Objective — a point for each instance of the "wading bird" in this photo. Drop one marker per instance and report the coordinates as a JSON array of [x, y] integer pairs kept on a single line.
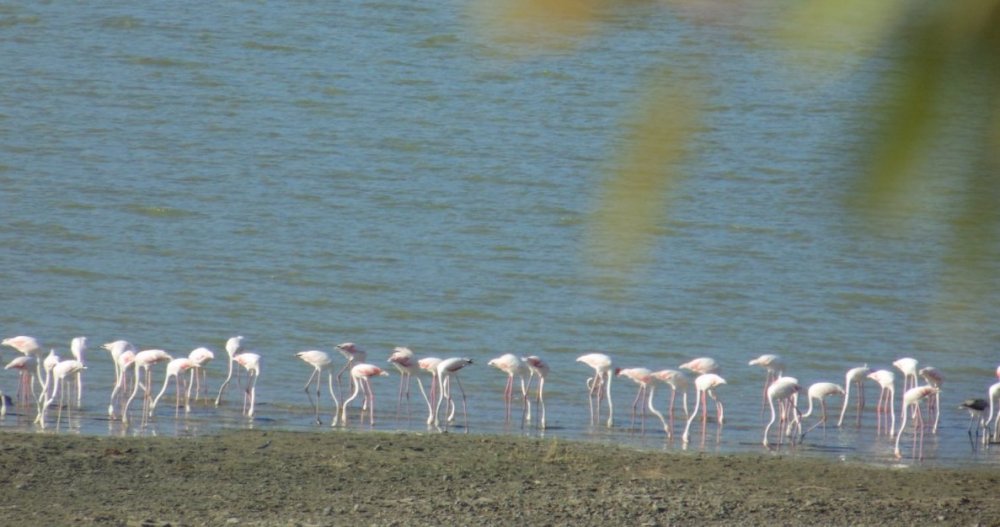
[[820, 391], [361, 375], [855, 377], [539, 369], [677, 381], [234, 346], [319, 360], [176, 368], [783, 391], [513, 367], [446, 371], [598, 385], [911, 400], [886, 407], [705, 386]]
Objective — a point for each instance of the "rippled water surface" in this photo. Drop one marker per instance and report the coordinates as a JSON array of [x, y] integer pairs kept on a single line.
[[307, 174]]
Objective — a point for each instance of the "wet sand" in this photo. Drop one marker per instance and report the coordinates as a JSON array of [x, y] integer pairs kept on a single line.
[[370, 478]]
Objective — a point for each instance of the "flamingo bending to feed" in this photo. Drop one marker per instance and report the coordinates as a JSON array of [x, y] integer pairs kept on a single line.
[[354, 355], [319, 360], [446, 371], [908, 367], [251, 363], [855, 377], [934, 378], [886, 399], [144, 360], [644, 378], [234, 346], [677, 381], [539, 369], [911, 399], [705, 386], [784, 391], [361, 375], [430, 364], [820, 391], [598, 385], [60, 372], [77, 347], [513, 366], [25, 366], [200, 357], [405, 362], [176, 368]]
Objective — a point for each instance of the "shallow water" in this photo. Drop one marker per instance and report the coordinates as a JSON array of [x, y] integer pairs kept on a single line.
[[383, 173]]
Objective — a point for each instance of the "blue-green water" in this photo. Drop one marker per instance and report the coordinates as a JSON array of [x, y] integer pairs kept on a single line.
[[307, 174]]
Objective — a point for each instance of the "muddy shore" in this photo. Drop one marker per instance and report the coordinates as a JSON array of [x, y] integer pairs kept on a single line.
[[355, 478]]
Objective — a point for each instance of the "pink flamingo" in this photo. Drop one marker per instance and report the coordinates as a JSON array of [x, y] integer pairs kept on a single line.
[[176, 368], [50, 362], [200, 357], [361, 375], [513, 366], [60, 372], [539, 369], [911, 399], [116, 349], [26, 345], [123, 364], [855, 377], [405, 362], [234, 346], [705, 386], [775, 368], [784, 391], [446, 371], [144, 360], [908, 367], [25, 366], [677, 381], [430, 364], [77, 347], [354, 355], [601, 380], [319, 360], [701, 365], [251, 363], [994, 393], [644, 378], [820, 391], [886, 399], [933, 377]]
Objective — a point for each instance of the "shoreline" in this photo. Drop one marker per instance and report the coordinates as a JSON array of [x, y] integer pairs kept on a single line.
[[406, 478]]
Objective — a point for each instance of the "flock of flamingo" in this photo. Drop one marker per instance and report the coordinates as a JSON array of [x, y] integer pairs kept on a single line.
[[62, 379]]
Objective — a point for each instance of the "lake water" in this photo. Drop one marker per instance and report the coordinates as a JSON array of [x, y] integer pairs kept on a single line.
[[306, 174]]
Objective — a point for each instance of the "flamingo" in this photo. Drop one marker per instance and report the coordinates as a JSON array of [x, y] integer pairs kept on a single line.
[[116, 349], [251, 363], [124, 364], [705, 386], [354, 355], [176, 368], [446, 371], [854, 377], [601, 364], [405, 362], [513, 366], [430, 364], [234, 346], [784, 391], [677, 381], [144, 360], [27, 345], [538, 368], [77, 347], [886, 399], [820, 391], [200, 357], [908, 367], [701, 365], [994, 393], [50, 362], [361, 375], [912, 398], [24, 364], [319, 360], [775, 368], [60, 371], [933, 377], [644, 378]]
